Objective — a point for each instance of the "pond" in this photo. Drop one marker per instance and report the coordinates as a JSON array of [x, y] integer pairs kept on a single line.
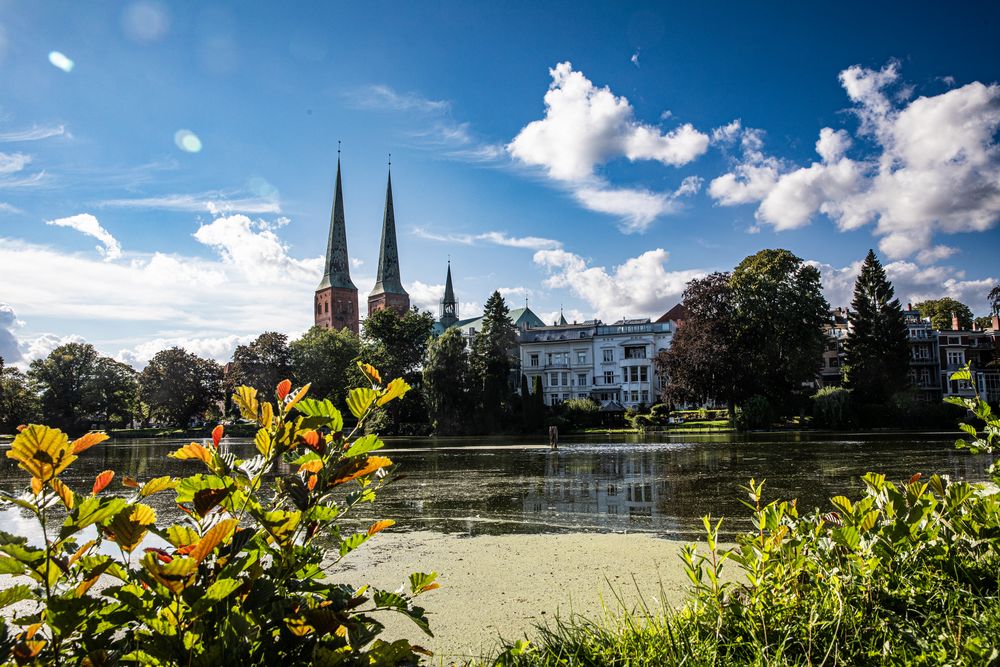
[[660, 485]]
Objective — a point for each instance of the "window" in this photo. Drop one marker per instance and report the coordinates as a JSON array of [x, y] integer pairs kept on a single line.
[[581, 357], [956, 357], [326, 307], [534, 359], [635, 396], [635, 352], [565, 397], [609, 377], [645, 396], [565, 382], [558, 358], [609, 355], [925, 377], [553, 379], [581, 380], [643, 374]]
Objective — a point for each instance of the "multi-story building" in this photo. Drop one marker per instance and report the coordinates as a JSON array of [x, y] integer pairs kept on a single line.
[[836, 329], [605, 362], [924, 355], [981, 349]]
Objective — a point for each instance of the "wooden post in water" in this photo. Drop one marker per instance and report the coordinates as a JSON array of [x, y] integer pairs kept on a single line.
[[554, 437]]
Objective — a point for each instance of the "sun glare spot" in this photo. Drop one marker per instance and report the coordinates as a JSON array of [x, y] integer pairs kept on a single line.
[[188, 141], [61, 61], [145, 21]]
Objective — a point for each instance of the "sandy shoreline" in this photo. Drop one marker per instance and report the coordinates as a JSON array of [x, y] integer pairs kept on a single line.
[[494, 586]]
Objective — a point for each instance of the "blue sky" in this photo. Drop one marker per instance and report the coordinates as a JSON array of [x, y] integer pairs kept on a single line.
[[592, 156]]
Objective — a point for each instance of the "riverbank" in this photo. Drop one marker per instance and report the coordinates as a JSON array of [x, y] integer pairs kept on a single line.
[[504, 586]]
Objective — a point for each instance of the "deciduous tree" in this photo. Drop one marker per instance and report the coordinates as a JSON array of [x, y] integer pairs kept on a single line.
[[18, 403], [116, 392], [179, 386], [326, 359], [65, 381], [877, 350], [446, 383], [262, 363], [940, 312]]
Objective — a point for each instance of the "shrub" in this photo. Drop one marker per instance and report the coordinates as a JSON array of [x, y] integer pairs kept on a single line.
[[580, 412], [242, 579], [755, 412], [832, 407]]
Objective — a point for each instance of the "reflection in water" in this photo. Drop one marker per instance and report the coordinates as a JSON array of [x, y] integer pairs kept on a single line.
[[658, 487]]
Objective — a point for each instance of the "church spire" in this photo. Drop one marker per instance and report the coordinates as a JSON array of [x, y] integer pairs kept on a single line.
[[388, 290], [449, 304], [337, 271]]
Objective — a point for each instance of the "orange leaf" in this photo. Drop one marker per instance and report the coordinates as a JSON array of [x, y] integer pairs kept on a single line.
[[371, 372], [215, 536], [312, 482], [312, 466], [284, 387], [65, 493], [379, 526], [360, 468], [36, 485], [430, 587], [21, 427], [82, 550], [299, 395], [916, 478], [217, 435], [103, 480], [88, 441], [129, 482], [311, 438], [191, 452]]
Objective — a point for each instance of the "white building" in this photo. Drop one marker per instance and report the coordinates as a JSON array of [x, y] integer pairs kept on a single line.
[[605, 362]]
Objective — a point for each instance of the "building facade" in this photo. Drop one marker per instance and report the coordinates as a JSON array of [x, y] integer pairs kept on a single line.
[[609, 363]]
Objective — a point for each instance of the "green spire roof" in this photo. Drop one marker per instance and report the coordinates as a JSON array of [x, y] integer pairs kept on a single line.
[[449, 291], [337, 272], [387, 279]]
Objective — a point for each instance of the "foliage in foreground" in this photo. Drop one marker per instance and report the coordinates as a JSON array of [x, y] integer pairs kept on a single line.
[[905, 574], [242, 579]]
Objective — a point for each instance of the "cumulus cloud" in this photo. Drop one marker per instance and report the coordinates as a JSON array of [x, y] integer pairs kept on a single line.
[[85, 223], [586, 126], [639, 287], [220, 348], [254, 250], [912, 282], [10, 349], [936, 167], [935, 254]]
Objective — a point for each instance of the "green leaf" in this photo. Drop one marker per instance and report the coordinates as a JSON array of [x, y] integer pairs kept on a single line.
[[846, 537], [310, 407], [363, 445], [156, 485], [219, 590], [421, 580], [91, 510], [353, 542], [9, 596], [961, 374], [360, 399], [10, 565]]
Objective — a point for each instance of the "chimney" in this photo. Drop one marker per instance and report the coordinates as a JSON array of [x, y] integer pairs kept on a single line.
[[996, 322], [954, 322], [909, 306]]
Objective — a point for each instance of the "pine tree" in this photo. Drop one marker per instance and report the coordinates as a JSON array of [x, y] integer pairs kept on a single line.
[[491, 361], [878, 352]]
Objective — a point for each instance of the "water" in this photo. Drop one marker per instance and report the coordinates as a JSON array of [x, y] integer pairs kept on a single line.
[[659, 485]]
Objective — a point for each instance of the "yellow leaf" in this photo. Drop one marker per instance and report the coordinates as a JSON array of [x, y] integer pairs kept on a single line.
[[191, 452], [156, 485], [144, 515], [128, 527], [215, 536], [82, 550], [88, 441], [371, 372], [246, 400], [266, 415], [181, 536], [175, 575], [359, 400], [36, 485], [395, 390], [42, 451], [264, 443], [299, 395], [379, 526], [356, 468], [65, 493]]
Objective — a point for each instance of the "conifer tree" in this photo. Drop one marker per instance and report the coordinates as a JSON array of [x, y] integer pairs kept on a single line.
[[446, 378], [491, 361], [877, 350]]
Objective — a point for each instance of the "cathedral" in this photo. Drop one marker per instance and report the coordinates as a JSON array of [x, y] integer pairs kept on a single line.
[[336, 299]]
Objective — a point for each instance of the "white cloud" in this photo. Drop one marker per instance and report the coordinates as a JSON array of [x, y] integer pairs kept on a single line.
[[356, 262], [491, 237], [214, 201], [85, 223], [935, 254], [585, 127], [425, 297], [571, 315], [34, 133], [639, 287], [8, 208], [254, 250], [10, 349], [40, 346], [384, 98], [912, 283], [220, 348], [13, 162], [936, 168]]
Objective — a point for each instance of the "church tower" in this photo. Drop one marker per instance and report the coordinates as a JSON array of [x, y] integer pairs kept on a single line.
[[449, 305], [336, 299], [388, 291]]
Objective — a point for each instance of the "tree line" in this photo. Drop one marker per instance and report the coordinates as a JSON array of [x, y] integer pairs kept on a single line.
[[75, 388]]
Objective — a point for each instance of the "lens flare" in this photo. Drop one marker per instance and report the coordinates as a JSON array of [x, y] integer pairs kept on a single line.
[[187, 141], [61, 61]]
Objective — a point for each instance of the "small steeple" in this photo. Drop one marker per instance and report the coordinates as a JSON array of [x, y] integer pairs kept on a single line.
[[449, 304], [337, 271], [562, 318]]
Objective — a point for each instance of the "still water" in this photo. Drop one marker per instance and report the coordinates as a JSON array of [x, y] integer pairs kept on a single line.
[[660, 485]]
